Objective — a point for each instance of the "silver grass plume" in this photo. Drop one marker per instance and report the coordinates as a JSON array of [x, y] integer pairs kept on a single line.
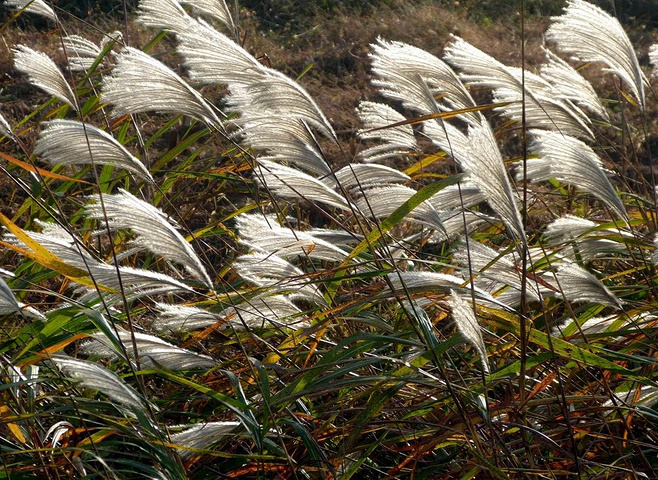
[[486, 170], [212, 57], [67, 142], [136, 282], [585, 238], [8, 303], [589, 34], [38, 7], [280, 97], [571, 85], [175, 318], [265, 234], [414, 77], [287, 182], [43, 73], [377, 119], [153, 232], [288, 141], [267, 270], [140, 83], [214, 8], [81, 52], [653, 58], [579, 285], [482, 70], [380, 202], [431, 281], [544, 107], [448, 138], [547, 112], [358, 176], [453, 224], [95, 377], [202, 436], [152, 350], [256, 312], [571, 161], [165, 15], [495, 270], [256, 91], [591, 326], [464, 317], [265, 310], [455, 197]]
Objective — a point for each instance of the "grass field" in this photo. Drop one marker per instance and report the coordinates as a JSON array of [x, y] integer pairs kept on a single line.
[[329, 240]]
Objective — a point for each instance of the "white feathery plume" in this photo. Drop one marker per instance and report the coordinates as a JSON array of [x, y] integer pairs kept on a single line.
[[453, 197], [165, 15], [152, 351], [591, 326], [376, 119], [571, 161], [68, 142], [261, 311], [214, 8], [266, 270], [201, 436], [290, 183], [265, 234], [43, 73], [280, 97], [212, 57], [495, 271], [486, 170], [448, 138], [567, 228], [482, 70], [287, 141], [95, 377], [38, 7], [81, 52], [254, 313], [579, 285], [61, 243], [153, 232], [580, 233], [175, 318], [589, 34], [414, 77], [653, 58], [488, 263], [5, 128], [380, 202], [136, 282], [544, 109], [464, 316], [140, 83], [359, 175], [570, 85], [256, 91], [453, 224], [8, 303], [431, 281]]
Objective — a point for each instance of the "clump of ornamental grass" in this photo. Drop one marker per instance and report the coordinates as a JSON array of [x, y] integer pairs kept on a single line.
[[192, 289]]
